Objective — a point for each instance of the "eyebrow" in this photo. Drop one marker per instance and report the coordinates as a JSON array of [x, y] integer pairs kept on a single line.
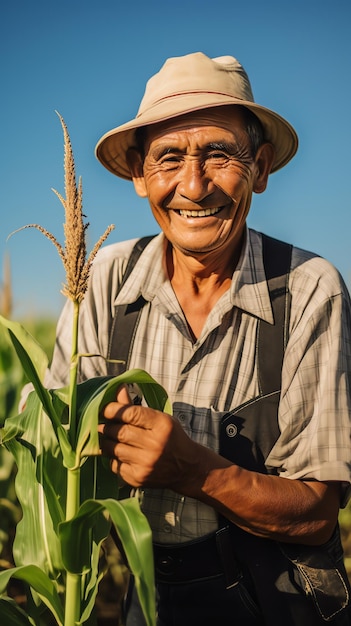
[[222, 146], [161, 151]]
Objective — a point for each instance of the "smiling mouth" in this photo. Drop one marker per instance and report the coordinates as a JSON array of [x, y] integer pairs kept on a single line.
[[200, 213]]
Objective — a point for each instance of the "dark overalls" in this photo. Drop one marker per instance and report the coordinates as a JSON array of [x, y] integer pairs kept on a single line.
[[232, 577]]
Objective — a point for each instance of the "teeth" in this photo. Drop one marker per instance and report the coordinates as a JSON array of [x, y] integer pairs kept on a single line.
[[201, 213]]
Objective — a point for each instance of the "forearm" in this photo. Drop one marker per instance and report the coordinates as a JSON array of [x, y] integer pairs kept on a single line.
[[150, 449], [264, 505]]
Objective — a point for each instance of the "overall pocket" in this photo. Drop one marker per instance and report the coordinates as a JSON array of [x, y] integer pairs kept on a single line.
[[322, 574]]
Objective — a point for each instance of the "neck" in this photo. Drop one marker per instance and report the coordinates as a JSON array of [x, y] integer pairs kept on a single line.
[[217, 265], [199, 281]]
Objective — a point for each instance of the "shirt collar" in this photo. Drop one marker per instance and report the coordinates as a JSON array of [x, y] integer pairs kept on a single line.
[[248, 291]]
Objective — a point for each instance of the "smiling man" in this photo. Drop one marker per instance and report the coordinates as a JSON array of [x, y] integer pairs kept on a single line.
[[251, 339], [198, 174]]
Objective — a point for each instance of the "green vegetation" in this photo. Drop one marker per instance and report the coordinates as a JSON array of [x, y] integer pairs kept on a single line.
[[345, 526], [67, 496], [12, 378]]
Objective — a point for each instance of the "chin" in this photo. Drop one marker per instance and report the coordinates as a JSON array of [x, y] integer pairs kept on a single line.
[[192, 250]]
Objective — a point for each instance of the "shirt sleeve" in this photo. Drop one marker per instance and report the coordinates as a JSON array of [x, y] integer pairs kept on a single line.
[[95, 318], [315, 406]]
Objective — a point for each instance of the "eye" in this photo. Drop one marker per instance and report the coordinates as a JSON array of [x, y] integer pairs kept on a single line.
[[217, 156], [170, 161], [170, 158]]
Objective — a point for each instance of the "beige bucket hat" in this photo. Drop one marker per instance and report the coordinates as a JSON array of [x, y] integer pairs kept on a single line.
[[191, 83]]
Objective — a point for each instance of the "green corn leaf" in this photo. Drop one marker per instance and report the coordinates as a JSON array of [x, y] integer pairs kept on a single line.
[[76, 535], [29, 345], [154, 394], [91, 586], [97, 482], [34, 362], [95, 397], [12, 615], [40, 487], [40, 583], [11, 377], [136, 538], [135, 535], [81, 540]]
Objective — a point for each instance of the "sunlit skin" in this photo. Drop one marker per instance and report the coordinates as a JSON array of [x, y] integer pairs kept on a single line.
[[198, 163], [203, 162]]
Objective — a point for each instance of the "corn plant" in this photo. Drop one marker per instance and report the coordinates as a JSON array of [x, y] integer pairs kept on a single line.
[[69, 497], [11, 380]]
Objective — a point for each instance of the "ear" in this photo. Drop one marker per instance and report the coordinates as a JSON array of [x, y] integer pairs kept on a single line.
[[263, 163], [135, 164]]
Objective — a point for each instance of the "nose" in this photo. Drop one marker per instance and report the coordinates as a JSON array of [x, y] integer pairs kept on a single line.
[[195, 185]]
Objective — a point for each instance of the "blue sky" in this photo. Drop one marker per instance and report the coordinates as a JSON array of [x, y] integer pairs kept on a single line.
[[90, 61]]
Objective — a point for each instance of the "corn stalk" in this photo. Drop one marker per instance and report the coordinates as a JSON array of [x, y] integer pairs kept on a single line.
[[68, 495]]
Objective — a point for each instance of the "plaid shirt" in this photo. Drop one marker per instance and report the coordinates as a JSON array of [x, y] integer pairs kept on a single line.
[[217, 373]]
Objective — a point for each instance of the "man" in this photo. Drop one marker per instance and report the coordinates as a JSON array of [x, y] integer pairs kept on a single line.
[[242, 486]]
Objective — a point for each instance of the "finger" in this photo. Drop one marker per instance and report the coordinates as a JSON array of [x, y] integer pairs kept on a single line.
[[136, 415], [123, 395], [123, 470], [115, 466], [113, 411], [108, 447], [117, 432], [111, 430], [119, 453]]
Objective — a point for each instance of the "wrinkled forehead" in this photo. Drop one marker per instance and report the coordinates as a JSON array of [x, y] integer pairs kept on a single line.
[[230, 118]]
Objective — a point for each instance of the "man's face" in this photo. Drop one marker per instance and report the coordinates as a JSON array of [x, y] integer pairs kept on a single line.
[[199, 174]]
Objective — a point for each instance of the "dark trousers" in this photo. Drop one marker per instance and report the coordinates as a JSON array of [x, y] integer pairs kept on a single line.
[[202, 583], [203, 603], [209, 603]]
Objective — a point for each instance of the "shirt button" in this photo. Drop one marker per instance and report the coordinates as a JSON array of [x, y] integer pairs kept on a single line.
[[231, 430]]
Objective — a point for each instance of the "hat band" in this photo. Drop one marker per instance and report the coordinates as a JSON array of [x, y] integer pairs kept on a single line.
[[187, 93]]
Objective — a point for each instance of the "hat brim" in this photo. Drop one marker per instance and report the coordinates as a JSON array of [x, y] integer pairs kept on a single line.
[[112, 148]]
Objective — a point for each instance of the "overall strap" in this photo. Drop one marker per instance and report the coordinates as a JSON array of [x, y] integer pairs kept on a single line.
[[272, 338], [126, 319], [249, 431]]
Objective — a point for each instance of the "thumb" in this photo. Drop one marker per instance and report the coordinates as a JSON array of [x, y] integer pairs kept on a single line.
[[123, 395]]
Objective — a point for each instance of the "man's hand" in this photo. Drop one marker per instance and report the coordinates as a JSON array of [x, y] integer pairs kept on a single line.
[[147, 447], [150, 448]]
